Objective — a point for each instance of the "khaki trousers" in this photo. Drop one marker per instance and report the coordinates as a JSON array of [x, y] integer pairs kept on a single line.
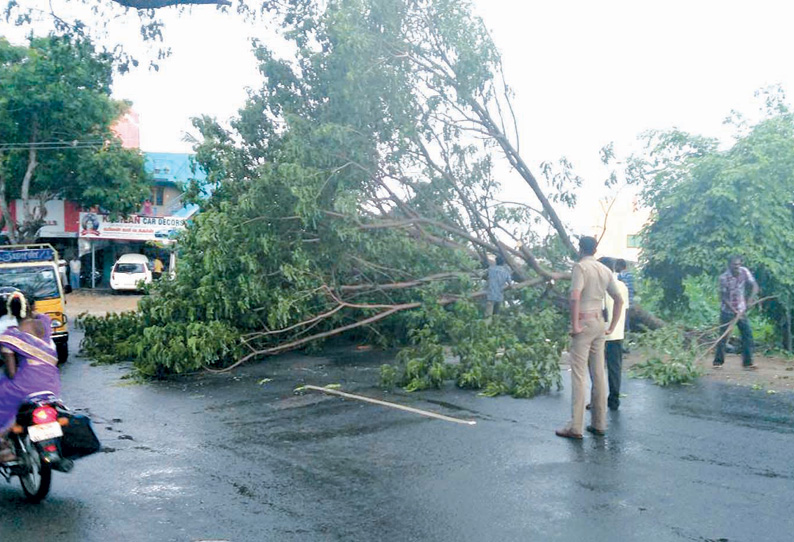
[[587, 350]]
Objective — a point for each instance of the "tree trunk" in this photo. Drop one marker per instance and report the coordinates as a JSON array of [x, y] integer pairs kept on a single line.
[[29, 223], [640, 317], [521, 167], [7, 219], [25, 191]]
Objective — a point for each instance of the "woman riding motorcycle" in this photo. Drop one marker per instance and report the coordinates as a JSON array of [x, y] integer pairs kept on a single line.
[[31, 364]]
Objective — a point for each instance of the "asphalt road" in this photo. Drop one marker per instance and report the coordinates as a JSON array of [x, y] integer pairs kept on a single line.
[[232, 457]]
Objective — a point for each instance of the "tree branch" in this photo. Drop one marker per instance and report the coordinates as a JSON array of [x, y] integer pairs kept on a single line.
[[403, 284], [325, 334], [157, 4]]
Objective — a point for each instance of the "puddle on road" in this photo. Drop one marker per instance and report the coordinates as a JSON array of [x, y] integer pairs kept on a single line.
[[161, 483], [356, 430]]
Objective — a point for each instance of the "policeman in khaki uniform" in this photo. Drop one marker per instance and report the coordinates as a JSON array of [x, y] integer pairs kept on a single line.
[[590, 281]]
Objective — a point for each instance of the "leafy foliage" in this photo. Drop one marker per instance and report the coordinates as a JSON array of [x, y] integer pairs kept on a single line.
[[709, 203], [699, 309], [671, 357], [157, 348], [515, 353], [355, 194], [111, 338]]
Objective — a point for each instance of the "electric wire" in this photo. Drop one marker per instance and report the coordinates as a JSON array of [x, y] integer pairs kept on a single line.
[[53, 145]]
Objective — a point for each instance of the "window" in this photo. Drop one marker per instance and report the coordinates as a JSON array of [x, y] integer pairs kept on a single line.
[[633, 241], [129, 268], [39, 281], [157, 191]]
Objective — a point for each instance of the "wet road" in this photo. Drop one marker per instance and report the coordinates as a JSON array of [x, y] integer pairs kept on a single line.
[[231, 457]]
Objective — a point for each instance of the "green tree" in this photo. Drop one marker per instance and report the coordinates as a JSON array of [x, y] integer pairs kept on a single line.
[[55, 136], [356, 194], [709, 202]]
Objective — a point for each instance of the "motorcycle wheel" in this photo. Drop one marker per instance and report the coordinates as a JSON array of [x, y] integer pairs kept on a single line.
[[62, 349], [36, 480]]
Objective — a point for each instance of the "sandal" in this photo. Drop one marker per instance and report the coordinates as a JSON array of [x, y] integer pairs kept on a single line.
[[751, 367], [567, 433]]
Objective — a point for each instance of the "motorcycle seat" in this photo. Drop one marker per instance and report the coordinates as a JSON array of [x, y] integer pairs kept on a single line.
[[39, 396]]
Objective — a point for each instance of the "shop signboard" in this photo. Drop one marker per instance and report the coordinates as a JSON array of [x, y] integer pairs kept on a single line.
[[24, 255], [132, 228]]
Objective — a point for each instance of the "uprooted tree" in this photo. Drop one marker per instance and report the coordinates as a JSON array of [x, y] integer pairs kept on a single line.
[[359, 194]]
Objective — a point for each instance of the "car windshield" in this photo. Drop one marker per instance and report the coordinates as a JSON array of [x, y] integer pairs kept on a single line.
[[129, 268], [39, 281]]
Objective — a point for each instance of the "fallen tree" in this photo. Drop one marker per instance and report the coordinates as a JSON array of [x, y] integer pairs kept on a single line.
[[359, 194]]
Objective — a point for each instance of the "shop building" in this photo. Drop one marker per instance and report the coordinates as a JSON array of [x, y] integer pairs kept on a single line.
[[99, 242]]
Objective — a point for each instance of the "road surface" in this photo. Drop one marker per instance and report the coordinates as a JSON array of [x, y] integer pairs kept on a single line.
[[238, 457]]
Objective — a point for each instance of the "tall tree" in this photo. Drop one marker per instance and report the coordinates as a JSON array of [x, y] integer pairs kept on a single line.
[[709, 202], [55, 133]]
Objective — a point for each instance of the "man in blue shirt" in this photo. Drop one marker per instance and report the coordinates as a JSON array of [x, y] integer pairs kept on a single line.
[[499, 276]]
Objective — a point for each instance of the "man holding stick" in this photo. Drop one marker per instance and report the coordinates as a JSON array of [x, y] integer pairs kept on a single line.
[[733, 310], [590, 281]]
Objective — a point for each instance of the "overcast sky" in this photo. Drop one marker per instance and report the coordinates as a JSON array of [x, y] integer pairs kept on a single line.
[[584, 73]]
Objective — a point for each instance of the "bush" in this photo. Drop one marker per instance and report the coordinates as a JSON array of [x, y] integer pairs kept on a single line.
[[158, 350], [766, 335], [513, 354], [700, 310], [185, 347], [111, 338], [671, 357]]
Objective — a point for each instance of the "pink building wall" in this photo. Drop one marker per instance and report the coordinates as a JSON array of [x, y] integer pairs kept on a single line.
[[128, 128]]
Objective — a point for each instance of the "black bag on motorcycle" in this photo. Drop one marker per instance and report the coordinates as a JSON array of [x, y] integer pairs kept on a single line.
[[79, 439]]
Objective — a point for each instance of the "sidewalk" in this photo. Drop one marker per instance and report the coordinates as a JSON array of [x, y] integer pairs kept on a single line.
[[99, 302]]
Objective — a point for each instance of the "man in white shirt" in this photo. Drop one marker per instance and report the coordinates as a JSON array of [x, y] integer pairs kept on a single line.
[[614, 341], [75, 266]]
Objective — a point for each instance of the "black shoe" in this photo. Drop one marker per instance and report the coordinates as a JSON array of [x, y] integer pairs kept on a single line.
[[716, 365]]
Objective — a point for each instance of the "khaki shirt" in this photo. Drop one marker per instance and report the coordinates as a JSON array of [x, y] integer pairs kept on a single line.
[[619, 333], [594, 280]]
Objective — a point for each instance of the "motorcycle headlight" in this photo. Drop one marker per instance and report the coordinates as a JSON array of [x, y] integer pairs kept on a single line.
[[56, 323]]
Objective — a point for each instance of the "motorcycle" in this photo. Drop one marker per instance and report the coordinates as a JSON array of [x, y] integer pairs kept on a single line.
[[47, 436], [85, 277]]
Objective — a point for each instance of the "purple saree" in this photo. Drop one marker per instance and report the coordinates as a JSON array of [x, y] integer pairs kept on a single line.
[[37, 370]]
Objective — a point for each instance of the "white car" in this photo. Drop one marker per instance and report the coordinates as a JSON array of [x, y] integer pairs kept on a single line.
[[129, 271]]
